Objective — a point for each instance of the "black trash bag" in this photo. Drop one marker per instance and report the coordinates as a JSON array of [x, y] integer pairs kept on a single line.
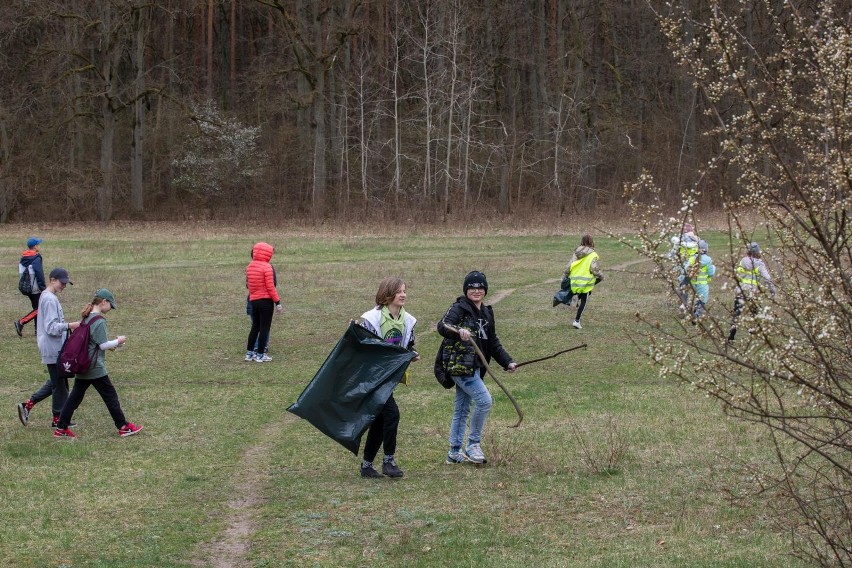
[[564, 295], [352, 386]]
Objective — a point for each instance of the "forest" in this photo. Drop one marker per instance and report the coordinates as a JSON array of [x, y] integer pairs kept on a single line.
[[297, 109]]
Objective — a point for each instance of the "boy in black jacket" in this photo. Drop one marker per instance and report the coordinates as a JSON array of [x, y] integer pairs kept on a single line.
[[469, 320]]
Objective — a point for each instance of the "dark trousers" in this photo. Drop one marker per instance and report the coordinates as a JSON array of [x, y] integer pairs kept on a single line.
[[34, 313], [739, 304], [107, 392], [261, 321], [383, 431], [581, 304], [55, 387]]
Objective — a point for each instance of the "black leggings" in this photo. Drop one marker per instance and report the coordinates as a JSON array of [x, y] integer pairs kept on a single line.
[[581, 304], [107, 392], [383, 431], [261, 321], [33, 315]]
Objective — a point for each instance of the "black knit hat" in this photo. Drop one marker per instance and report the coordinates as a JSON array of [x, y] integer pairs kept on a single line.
[[475, 279]]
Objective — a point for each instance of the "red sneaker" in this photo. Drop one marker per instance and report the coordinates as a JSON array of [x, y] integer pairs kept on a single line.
[[129, 429], [55, 423], [64, 433]]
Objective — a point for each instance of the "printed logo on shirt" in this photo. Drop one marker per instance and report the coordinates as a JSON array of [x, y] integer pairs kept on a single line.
[[480, 332], [394, 337]]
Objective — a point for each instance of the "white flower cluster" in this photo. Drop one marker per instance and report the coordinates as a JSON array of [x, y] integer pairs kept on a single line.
[[221, 155]]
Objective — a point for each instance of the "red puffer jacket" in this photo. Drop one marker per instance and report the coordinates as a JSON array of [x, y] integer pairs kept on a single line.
[[259, 278]]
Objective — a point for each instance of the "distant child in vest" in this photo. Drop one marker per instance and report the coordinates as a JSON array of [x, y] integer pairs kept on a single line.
[[31, 262], [93, 315], [467, 320], [391, 322], [584, 273], [51, 330], [260, 281], [752, 277], [700, 270]]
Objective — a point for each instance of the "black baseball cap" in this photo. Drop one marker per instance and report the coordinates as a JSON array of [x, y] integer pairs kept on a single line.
[[60, 274]]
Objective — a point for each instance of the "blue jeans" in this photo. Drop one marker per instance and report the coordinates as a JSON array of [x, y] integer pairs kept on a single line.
[[469, 390]]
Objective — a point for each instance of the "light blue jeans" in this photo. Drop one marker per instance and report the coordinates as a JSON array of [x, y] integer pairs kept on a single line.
[[469, 390]]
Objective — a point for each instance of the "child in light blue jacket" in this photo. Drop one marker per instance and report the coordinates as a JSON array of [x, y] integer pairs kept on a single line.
[[700, 271]]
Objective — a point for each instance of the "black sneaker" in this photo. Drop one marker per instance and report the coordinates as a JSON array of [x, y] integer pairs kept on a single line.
[[19, 329], [369, 472], [390, 469]]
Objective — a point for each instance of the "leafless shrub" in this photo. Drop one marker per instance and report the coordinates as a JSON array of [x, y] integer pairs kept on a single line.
[[602, 449]]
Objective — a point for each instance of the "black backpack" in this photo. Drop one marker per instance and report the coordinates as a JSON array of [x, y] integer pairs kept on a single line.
[[74, 356], [25, 284], [441, 375]]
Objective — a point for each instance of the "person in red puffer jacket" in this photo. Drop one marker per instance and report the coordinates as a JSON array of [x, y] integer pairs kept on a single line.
[[260, 281]]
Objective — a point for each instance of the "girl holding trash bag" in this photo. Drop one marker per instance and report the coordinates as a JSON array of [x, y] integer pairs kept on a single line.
[[389, 320], [467, 321], [584, 273]]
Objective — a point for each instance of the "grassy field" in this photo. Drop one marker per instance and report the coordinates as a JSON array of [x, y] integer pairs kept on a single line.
[[612, 466]]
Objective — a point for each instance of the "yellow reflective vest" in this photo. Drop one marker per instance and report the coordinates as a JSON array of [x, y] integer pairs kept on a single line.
[[582, 279], [748, 277]]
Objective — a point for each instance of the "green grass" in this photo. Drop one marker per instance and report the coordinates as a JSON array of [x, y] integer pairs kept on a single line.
[[217, 430]]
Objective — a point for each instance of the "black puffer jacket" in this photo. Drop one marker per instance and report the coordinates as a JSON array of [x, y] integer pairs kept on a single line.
[[457, 357]]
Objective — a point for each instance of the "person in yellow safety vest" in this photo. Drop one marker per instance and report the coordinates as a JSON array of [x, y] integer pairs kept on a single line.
[[752, 277], [699, 271], [688, 245], [584, 273]]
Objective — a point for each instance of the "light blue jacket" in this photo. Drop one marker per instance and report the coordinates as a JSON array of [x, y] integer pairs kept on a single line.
[[702, 289]]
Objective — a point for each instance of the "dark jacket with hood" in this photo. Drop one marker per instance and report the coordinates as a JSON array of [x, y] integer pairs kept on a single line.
[[33, 258], [458, 358]]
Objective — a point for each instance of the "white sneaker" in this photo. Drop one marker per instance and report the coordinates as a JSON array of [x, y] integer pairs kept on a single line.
[[474, 454], [262, 358], [250, 355], [577, 325]]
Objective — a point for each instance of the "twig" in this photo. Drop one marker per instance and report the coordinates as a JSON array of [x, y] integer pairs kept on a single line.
[[583, 346]]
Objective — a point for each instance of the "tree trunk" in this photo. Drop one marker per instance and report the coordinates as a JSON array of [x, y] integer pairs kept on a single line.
[[232, 76], [319, 120], [109, 64], [5, 154], [137, 154], [451, 103], [210, 6]]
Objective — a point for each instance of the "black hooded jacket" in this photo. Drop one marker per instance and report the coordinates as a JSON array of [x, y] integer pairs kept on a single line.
[[457, 357]]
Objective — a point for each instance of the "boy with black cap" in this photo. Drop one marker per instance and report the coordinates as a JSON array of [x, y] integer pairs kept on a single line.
[[51, 331], [31, 263], [468, 320]]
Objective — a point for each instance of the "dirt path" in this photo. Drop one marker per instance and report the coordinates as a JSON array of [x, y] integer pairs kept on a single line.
[[503, 294], [231, 548]]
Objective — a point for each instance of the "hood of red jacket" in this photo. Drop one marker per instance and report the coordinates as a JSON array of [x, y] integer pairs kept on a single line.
[[262, 251]]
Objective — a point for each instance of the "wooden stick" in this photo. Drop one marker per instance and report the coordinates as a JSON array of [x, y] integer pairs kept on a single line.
[[583, 346]]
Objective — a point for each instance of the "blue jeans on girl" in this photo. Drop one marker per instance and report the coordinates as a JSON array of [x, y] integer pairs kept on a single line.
[[469, 390]]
